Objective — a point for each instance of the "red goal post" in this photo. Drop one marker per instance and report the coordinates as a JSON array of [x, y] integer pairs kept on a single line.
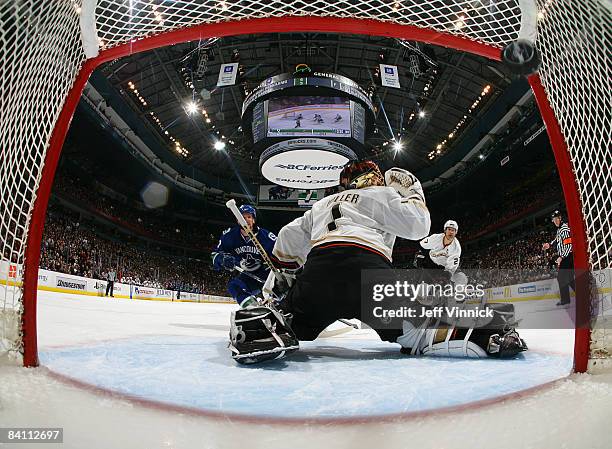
[[49, 50]]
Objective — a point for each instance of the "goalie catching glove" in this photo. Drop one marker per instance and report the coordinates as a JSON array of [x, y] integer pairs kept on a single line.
[[404, 183], [261, 333]]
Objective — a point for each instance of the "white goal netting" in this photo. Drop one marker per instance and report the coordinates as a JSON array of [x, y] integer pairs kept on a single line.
[[42, 51]]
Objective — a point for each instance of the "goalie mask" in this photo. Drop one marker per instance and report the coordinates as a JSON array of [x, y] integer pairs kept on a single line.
[[358, 175]]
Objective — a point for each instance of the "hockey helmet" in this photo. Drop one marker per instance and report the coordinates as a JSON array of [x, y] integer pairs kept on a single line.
[[360, 174], [451, 224], [555, 214], [248, 209]]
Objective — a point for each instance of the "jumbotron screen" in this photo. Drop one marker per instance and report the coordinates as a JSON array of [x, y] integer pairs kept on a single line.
[[309, 116]]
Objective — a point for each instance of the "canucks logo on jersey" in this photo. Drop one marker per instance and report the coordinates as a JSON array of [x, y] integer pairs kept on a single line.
[[250, 263]]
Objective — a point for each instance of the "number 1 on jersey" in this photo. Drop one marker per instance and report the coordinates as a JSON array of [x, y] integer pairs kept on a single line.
[[336, 213]]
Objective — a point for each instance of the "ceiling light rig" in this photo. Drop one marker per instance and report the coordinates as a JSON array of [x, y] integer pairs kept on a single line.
[[177, 146], [191, 108], [461, 19], [186, 77], [544, 10], [428, 88], [442, 145], [137, 94], [192, 72]]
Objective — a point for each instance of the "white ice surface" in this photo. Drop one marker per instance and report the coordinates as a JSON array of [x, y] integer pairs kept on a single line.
[[307, 122], [574, 413]]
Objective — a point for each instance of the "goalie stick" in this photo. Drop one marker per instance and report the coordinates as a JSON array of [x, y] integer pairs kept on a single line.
[[335, 332]]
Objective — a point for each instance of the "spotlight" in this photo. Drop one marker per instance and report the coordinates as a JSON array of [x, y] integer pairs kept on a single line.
[[421, 114], [397, 146], [219, 145], [192, 108]]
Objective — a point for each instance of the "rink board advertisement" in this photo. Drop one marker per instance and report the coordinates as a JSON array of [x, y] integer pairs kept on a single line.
[[11, 274]]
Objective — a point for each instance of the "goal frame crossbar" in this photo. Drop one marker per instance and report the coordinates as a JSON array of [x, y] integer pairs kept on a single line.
[[305, 25]]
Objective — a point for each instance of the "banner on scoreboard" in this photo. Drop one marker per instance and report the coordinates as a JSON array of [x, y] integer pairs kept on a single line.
[[306, 198], [281, 194], [275, 193]]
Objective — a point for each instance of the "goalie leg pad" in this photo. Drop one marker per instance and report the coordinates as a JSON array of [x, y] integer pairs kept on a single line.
[[455, 348], [498, 339], [480, 343], [261, 333]]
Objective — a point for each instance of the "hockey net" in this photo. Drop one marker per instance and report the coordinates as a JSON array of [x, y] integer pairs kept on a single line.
[[44, 47]]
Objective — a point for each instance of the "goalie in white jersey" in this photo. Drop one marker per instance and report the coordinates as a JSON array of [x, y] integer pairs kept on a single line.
[[340, 236]]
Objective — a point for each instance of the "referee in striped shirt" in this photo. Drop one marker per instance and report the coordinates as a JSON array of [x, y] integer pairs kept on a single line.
[[565, 260]]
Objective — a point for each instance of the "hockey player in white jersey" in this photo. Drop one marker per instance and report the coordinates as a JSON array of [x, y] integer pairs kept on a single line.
[[444, 253], [495, 338], [444, 249], [440, 262], [366, 215]]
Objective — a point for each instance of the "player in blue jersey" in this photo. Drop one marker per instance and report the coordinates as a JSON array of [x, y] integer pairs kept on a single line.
[[235, 252]]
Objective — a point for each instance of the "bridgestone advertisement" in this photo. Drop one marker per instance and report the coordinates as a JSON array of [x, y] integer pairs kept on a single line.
[[71, 283]]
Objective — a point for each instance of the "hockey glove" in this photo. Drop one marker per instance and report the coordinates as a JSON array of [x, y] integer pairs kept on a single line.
[[229, 262], [404, 183], [224, 260]]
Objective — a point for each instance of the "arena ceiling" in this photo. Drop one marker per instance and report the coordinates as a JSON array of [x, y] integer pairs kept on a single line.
[[173, 90]]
